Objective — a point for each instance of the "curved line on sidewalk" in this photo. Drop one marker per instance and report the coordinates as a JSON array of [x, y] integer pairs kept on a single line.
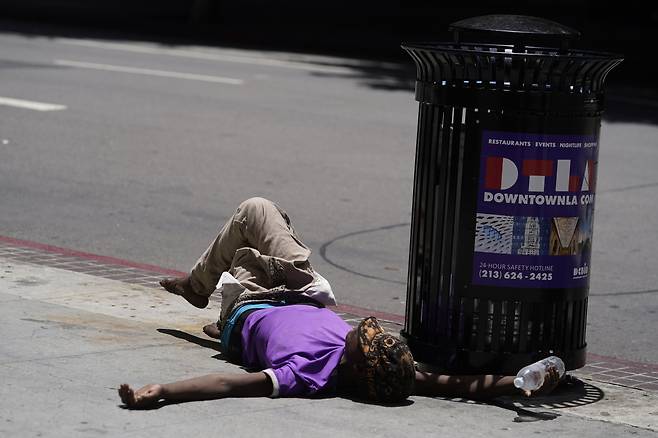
[[323, 252], [624, 189], [621, 294]]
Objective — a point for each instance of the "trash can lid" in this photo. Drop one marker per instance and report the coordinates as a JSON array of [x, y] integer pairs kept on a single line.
[[515, 24], [515, 27]]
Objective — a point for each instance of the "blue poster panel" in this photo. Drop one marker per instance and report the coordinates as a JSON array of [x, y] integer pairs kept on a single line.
[[535, 209]]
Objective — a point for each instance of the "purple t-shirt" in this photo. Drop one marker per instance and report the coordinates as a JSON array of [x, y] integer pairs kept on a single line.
[[298, 346]]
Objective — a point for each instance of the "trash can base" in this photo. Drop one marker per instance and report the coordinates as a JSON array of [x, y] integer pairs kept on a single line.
[[452, 360]]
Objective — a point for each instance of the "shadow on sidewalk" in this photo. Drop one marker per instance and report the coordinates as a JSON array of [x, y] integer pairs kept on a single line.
[[631, 104], [574, 392], [206, 343]]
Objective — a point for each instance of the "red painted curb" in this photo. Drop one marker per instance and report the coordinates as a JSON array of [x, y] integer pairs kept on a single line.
[[89, 256], [364, 313], [594, 358]]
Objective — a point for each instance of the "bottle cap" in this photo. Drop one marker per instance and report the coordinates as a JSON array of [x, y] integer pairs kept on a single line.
[[518, 382]]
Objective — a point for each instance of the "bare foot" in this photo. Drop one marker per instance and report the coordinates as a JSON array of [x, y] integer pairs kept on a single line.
[[211, 330], [142, 398], [181, 286]]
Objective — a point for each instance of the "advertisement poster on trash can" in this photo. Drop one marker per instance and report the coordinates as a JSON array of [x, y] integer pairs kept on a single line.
[[535, 210]]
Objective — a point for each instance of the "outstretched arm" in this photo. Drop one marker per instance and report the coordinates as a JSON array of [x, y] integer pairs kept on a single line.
[[483, 386], [208, 387], [477, 386]]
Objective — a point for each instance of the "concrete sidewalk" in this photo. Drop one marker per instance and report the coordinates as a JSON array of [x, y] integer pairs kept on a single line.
[[70, 338]]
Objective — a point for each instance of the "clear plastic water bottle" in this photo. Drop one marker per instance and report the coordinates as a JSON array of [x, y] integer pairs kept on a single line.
[[532, 377]]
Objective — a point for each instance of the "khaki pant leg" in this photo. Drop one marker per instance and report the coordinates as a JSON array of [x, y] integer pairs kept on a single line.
[[259, 224]]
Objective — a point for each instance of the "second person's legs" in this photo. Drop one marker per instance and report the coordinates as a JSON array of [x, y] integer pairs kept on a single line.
[[257, 224], [257, 245]]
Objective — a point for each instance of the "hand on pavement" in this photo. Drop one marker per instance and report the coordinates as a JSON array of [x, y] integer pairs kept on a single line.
[[142, 398]]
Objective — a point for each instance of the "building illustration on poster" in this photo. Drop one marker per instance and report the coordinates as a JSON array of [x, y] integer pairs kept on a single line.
[[564, 239], [493, 234], [531, 238]]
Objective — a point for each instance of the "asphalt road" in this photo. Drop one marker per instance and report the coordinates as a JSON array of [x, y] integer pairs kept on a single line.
[[146, 149]]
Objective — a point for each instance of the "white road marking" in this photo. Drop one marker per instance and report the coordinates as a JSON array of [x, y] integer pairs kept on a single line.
[[149, 72], [29, 104], [228, 57]]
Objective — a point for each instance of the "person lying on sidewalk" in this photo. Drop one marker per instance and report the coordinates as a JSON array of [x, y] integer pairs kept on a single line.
[[273, 320]]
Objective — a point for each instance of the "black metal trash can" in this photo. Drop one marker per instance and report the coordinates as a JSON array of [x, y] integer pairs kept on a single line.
[[504, 187]]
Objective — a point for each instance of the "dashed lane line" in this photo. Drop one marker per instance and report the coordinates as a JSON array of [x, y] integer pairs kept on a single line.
[[322, 65], [30, 104], [148, 72]]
